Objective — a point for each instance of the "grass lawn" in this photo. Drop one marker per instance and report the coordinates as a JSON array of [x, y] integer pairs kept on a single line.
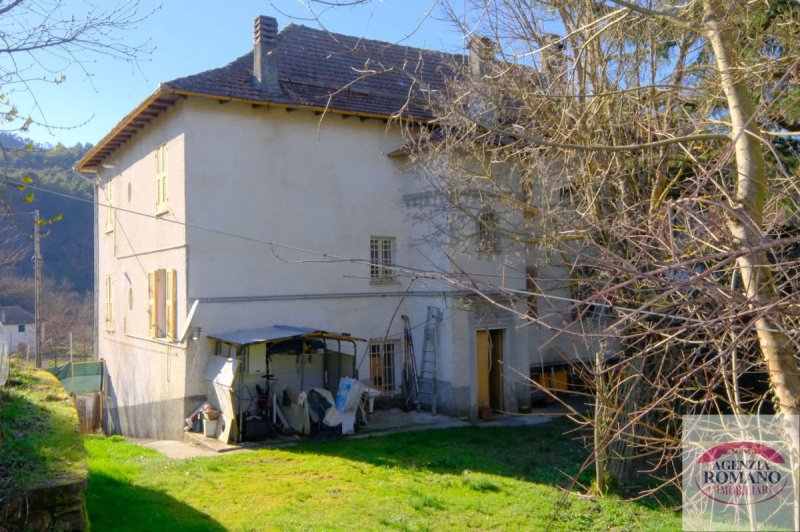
[[41, 440], [501, 478]]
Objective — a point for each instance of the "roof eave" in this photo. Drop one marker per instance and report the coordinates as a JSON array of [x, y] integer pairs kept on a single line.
[[300, 107], [165, 94], [126, 128]]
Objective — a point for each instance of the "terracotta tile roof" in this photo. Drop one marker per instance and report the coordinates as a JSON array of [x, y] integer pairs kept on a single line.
[[316, 69], [321, 69]]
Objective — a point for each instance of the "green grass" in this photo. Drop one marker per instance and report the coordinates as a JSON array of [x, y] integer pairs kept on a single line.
[[41, 439], [503, 478]]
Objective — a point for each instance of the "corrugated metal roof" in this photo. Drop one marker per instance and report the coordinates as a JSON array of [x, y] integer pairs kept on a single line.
[[277, 333]]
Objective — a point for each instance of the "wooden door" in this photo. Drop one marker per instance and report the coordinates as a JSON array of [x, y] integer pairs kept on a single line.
[[496, 369], [483, 360]]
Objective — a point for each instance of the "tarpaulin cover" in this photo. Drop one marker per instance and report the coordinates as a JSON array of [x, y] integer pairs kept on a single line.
[[87, 378]]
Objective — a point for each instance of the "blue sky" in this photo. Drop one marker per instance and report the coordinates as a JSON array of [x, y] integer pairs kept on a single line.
[[191, 36]]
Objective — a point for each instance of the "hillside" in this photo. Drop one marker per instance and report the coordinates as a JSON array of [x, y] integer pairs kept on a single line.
[[67, 242]]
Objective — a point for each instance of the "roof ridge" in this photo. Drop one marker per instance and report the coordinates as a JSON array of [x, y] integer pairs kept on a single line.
[[370, 40]]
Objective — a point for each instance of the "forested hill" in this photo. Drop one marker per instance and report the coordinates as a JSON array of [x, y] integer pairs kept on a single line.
[[67, 242]]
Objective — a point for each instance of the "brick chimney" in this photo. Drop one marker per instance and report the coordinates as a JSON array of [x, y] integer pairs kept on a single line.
[[265, 61]]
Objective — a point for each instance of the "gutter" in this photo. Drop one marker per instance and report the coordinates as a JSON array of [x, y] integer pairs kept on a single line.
[[164, 91]]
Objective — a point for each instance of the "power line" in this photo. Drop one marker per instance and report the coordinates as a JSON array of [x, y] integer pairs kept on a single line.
[[270, 243], [330, 257]]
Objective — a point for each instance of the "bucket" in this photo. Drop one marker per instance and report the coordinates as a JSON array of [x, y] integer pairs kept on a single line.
[[210, 427]]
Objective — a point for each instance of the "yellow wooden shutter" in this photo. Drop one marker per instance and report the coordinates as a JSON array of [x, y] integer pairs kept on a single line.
[[109, 304], [152, 300], [170, 303]]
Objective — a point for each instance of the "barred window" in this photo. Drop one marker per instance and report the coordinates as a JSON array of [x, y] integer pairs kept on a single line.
[[488, 239], [381, 258], [532, 289], [381, 366]]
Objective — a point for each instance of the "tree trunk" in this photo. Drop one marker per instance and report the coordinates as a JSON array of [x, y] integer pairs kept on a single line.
[[745, 225]]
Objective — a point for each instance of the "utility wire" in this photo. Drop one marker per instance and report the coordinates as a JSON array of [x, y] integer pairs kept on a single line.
[[330, 257]]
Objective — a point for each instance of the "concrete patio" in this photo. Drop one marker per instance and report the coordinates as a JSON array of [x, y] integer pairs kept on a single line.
[[381, 422]]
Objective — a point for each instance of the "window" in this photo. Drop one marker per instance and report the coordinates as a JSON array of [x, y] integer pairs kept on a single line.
[[109, 207], [162, 198], [21, 328], [381, 259], [161, 303], [109, 303], [531, 288], [488, 240], [381, 366]]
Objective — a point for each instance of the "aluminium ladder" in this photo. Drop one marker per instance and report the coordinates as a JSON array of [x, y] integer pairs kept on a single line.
[[426, 393]]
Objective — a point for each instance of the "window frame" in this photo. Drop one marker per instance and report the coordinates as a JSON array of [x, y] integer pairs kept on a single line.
[[382, 259], [488, 237], [162, 291], [109, 303], [109, 192], [383, 366], [162, 189], [532, 288]]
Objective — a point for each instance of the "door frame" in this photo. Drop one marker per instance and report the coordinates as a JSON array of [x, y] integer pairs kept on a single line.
[[485, 388]]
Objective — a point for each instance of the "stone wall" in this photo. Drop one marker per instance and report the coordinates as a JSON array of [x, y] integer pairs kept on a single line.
[[56, 505]]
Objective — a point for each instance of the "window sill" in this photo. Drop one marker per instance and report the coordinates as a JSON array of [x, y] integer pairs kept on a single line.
[[162, 210], [381, 282], [160, 341], [109, 230]]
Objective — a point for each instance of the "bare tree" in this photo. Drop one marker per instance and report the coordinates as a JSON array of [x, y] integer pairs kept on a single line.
[[12, 247], [646, 149], [41, 39]]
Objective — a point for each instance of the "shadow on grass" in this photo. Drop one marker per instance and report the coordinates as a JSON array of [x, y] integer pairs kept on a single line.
[[549, 454], [540, 453], [115, 505]]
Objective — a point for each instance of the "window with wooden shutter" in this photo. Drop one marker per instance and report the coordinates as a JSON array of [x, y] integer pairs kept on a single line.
[[162, 302], [171, 298], [152, 299], [109, 303], [162, 198]]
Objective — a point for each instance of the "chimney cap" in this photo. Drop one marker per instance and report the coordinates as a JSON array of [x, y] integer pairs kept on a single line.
[[555, 40], [265, 29], [483, 47]]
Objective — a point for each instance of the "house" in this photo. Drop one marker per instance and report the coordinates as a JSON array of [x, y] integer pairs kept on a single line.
[[263, 193], [17, 330]]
